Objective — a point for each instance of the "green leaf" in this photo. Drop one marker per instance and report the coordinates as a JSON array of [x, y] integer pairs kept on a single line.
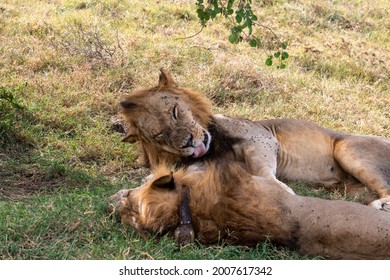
[[282, 66], [268, 61], [217, 10], [236, 29], [210, 13], [253, 43], [285, 55], [284, 46], [238, 18], [229, 5], [277, 54], [233, 38], [249, 29]]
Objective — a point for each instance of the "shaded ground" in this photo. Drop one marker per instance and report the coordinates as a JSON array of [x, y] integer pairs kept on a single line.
[[22, 176]]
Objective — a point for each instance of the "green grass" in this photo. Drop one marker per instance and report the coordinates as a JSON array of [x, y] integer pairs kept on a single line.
[[73, 224], [68, 62]]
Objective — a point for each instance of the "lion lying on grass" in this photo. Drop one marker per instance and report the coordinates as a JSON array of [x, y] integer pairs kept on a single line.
[[229, 205], [175, 125]]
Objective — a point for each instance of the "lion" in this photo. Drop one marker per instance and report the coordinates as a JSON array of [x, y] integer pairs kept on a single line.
[[228, 205], [175, 125]]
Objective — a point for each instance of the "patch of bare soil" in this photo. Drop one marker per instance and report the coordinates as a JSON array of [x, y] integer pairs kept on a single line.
[[23, 185]]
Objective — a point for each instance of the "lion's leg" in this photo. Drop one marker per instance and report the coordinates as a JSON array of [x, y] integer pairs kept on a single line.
[[280, 184], [263, 163], [367, 159], [340, 229]]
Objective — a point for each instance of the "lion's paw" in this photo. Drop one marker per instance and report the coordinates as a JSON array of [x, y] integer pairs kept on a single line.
[[184, 234], [381, 204]]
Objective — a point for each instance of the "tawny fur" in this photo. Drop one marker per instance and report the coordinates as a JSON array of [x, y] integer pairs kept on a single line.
[[229, 205], [169, 122]]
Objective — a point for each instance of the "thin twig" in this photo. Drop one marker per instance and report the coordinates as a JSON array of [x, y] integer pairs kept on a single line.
[[269, 29], [192, 36]]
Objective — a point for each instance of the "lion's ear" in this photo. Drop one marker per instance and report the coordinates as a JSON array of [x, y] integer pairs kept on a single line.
[[165, 182], [165, 79]]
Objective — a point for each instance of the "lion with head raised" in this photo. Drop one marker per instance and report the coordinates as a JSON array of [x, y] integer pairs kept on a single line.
[[228, 205], [175, 125]]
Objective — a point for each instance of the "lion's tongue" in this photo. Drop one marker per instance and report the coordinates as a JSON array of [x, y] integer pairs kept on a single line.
[[199, 151]]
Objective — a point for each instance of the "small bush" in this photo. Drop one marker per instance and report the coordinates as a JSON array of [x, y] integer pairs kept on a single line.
[[8, 107], [90, 42]]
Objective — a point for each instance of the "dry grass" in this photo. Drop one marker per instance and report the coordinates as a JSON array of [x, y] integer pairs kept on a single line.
[[78, 57]]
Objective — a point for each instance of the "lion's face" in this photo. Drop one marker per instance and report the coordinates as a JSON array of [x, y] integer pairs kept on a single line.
[[167, 121], [123, 204], [151, 207], [171, 118]]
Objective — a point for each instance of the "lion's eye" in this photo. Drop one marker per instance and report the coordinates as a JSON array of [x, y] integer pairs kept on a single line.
[[175, 112]]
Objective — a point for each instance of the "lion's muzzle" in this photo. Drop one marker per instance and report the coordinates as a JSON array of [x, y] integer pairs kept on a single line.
[[203, 147]]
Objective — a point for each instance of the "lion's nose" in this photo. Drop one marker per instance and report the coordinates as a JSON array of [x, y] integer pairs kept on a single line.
[[189, 142]]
